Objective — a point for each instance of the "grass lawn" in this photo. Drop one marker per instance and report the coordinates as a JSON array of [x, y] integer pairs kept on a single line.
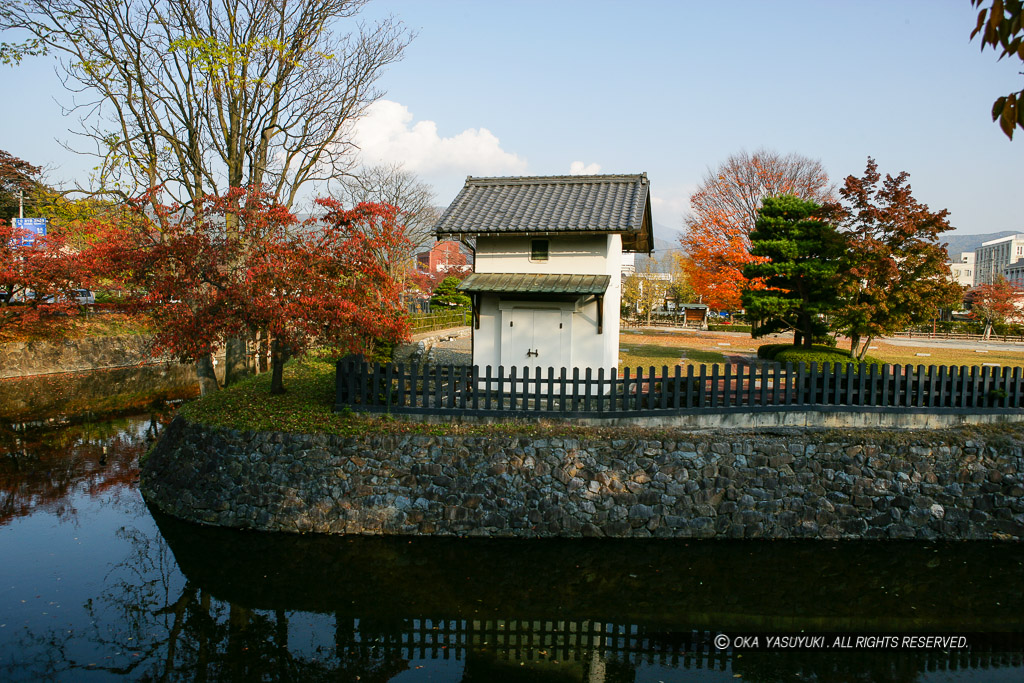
[[307, 407], [645, 349]]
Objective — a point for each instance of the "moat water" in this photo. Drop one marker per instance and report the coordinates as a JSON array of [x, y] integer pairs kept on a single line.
[[96, 586]]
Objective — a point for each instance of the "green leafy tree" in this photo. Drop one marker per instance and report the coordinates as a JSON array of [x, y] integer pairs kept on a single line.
[[205, 96], [17, 177], [803, 257], [898, 274], [1001, 27], [447, 294]]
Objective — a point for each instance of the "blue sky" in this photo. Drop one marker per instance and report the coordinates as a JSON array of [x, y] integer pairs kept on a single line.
[[670, 88]]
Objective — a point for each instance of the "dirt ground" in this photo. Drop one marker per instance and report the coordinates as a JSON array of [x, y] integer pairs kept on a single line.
[[656, 347]]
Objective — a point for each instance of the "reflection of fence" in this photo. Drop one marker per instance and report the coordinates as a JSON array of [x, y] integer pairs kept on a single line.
[[467, 390], [438, 321], [547, 640], [532, 640]]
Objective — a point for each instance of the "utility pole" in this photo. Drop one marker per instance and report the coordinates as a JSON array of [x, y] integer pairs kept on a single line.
[[21, 203]]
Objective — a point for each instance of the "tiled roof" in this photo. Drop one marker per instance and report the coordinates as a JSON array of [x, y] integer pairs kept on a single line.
[[595, 204], [534, 283]]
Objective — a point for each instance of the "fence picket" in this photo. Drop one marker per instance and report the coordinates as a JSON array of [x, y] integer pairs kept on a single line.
[[885, 386], [639, 388], [955, 386], [984, 387], [462, 389], [587, 380], [675, 388], [575, 389], [474, 386], [663, 402], [899, 385], [1015, 389], [613, 390], [862, 373], [812, 399], [826, 377], [714, 386], [689, 386], [789, 384], [551, 388], [513, 393], [459, 389], [776, 389], [501, 387], [702, 387], [974, 403]]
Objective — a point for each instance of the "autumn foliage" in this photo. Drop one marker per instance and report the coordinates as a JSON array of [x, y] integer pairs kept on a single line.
[[995, 303], [36, 280], [320, 283], [723, 213], [898, 274]]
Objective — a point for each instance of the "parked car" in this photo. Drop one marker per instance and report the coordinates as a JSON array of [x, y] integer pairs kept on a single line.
[[83, 297]]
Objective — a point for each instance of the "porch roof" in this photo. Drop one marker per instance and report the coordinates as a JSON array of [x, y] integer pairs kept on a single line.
[[535, 283]]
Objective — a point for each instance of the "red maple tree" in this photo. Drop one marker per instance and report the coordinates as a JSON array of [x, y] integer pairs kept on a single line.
[[723, 212], [37, 277], [323, 283], [995, 303]]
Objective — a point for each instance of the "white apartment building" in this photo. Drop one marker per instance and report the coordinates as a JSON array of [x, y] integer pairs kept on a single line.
[[993, 257], [962, 271]]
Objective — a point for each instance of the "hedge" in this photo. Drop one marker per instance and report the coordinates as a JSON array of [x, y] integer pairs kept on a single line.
[[820, 354]]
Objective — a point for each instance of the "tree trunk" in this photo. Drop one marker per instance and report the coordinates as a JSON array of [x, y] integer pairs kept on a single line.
[[235, 360], [864, 349], [988, 330], [854, 345], [278, 357], [798, 338], [264, 351], [206, 375]]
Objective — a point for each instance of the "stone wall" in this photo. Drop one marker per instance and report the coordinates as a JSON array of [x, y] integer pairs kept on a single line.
[[726, 484], [25, 359]]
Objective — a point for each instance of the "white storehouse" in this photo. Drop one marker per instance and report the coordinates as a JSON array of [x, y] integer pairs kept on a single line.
[[548, 261]]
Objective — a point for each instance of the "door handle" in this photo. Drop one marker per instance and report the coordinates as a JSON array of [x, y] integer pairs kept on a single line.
[[531, 352]]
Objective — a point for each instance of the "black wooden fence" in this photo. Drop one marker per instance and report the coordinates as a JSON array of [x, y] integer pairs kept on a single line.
[[464, 390]]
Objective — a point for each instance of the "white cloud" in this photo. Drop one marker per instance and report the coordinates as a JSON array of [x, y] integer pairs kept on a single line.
[[670, 208], [387, 134], [579, 168]]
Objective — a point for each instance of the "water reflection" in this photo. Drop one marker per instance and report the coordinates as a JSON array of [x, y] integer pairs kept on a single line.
[[88, 395], [95, 588]]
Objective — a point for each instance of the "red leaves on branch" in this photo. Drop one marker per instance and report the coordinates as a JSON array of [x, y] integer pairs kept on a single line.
[[723, 212], [241, 262], [35, 281]]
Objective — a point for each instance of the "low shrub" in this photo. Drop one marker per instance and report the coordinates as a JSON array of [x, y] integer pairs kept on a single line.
[[728, 328], [768, 351], [820, 355]]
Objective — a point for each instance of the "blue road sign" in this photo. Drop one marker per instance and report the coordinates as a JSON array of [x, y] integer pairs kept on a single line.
[[35, 227]]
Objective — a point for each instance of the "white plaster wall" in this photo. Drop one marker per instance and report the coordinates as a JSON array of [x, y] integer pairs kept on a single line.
[[594, 255], [566, 255]]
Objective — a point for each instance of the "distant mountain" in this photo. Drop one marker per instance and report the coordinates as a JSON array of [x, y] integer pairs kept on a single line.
[[665, 238], [961, 243]]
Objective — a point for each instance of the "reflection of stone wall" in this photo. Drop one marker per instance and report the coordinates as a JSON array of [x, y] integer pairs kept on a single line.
[[22, 359], [786, 484]]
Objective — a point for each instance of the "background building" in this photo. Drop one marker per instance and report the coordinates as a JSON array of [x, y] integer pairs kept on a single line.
[[993, 257]]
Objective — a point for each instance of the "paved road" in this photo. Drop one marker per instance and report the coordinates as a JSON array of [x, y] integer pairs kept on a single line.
[[969, 344]]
